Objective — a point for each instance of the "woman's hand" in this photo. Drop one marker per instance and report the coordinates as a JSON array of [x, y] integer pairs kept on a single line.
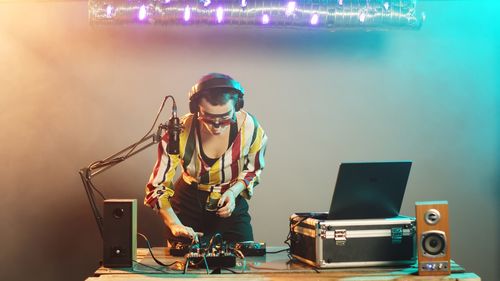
[[228, 203], [173, 223], [185, 231]]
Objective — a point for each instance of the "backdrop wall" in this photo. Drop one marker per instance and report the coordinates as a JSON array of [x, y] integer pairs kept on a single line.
[[71, 94]]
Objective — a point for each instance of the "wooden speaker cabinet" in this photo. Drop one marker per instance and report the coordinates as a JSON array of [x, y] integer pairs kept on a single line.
[[433, 238]]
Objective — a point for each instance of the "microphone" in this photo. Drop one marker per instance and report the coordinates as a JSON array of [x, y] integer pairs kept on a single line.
[[174, 130]]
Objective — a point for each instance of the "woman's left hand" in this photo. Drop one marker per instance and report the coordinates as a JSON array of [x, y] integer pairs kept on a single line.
[[227, 202]]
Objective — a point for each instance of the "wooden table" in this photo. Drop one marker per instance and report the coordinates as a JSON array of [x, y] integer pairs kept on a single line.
[[272, 267]]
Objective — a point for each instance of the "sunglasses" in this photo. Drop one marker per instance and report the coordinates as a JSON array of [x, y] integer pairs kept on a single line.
[[216, 122]]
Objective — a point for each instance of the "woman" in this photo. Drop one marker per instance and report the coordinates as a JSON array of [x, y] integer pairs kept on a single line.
[[221, 153]]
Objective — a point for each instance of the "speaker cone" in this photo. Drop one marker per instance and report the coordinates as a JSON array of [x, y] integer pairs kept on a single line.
[[433, 243]]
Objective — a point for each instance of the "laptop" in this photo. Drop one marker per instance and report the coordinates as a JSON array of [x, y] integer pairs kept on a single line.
[[368, 190]]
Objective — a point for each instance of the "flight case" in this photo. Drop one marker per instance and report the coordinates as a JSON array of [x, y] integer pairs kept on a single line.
[[325, 243]]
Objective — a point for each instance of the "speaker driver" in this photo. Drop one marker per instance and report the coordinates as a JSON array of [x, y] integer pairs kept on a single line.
[[432, 216], [433, 243], [118, 213]]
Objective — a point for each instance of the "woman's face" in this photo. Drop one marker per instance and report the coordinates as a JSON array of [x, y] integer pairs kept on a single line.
[[216, 118]]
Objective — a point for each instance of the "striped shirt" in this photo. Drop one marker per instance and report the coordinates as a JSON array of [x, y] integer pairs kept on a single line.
[[243, 161]]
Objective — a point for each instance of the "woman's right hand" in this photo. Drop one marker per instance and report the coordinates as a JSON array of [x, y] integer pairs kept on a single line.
[[176, 227], [185, 231]]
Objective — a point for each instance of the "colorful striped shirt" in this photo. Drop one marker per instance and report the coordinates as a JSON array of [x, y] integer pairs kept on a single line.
[[243, 161]]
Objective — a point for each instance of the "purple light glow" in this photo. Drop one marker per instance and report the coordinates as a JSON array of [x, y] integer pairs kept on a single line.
[[187, 13], [142, 13], [109, 11], [167, 1], [206, 3], [314, 19], [290, 8], [341, 2], [265, 19], [220, 14], [243, 3]]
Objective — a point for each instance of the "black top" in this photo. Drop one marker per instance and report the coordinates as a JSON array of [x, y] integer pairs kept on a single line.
[[232, 135]]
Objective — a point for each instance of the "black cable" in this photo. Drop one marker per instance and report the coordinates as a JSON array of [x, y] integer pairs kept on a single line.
[[154, 123], [230, 270], [134, 146], [97, 190], [148, 266], [212, 240], [93, 206], [292, 227], [279, 251], [151, 252], [86, 174]]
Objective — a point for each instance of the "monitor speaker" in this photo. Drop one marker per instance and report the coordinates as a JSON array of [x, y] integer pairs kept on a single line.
[[120, 232], [433, 238]]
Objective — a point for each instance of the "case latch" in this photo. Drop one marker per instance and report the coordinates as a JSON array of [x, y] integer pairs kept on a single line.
[[340, 237], [396, 235]]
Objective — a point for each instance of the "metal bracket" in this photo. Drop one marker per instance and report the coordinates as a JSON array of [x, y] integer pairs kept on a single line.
[[340, 237], [396, 235]]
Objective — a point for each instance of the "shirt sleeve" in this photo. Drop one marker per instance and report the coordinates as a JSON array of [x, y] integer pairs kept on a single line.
[[254, 162], [160, 187]]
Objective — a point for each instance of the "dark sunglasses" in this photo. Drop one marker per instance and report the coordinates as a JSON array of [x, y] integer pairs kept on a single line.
[[216, 122]]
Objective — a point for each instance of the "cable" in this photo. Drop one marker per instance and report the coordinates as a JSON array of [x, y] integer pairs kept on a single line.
[[292, 227], [279, 251], [151, 252], [212, 240], [97, 190], [98, 163], [154, 123], [230, 270], [148, 266], [242, 256], [206, 263], [99, 166]]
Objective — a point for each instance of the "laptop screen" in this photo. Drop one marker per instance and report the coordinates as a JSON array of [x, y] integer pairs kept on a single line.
[[369, 190]]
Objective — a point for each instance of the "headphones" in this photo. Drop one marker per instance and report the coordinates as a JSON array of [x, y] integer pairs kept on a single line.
[[214, 81]]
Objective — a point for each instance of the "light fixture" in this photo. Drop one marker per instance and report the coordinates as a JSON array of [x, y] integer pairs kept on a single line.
[[265, 19], [362, 17], [187, 13], [220, 14], [314, 19], [290, 8], [331, 15], [142, 13], [109, 11]]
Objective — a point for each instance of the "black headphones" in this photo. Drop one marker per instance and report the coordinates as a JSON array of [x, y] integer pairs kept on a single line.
[[214, 81]]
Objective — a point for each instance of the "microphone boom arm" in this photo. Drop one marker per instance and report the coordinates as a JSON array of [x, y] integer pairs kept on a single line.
[[98, 167]]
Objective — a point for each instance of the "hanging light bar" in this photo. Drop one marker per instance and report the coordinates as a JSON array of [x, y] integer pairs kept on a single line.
[[315, 14]]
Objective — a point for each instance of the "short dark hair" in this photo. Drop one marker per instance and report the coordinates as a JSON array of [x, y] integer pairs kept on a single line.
[[219, 96]]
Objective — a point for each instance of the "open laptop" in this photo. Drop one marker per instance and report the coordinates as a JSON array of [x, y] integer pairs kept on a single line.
[[367, 190]]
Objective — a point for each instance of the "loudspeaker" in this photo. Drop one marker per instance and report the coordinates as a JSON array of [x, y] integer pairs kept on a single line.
[[433, 238], [215, 81], [120, 232]]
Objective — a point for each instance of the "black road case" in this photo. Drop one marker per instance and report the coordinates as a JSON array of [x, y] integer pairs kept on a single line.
[[352, 243]]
